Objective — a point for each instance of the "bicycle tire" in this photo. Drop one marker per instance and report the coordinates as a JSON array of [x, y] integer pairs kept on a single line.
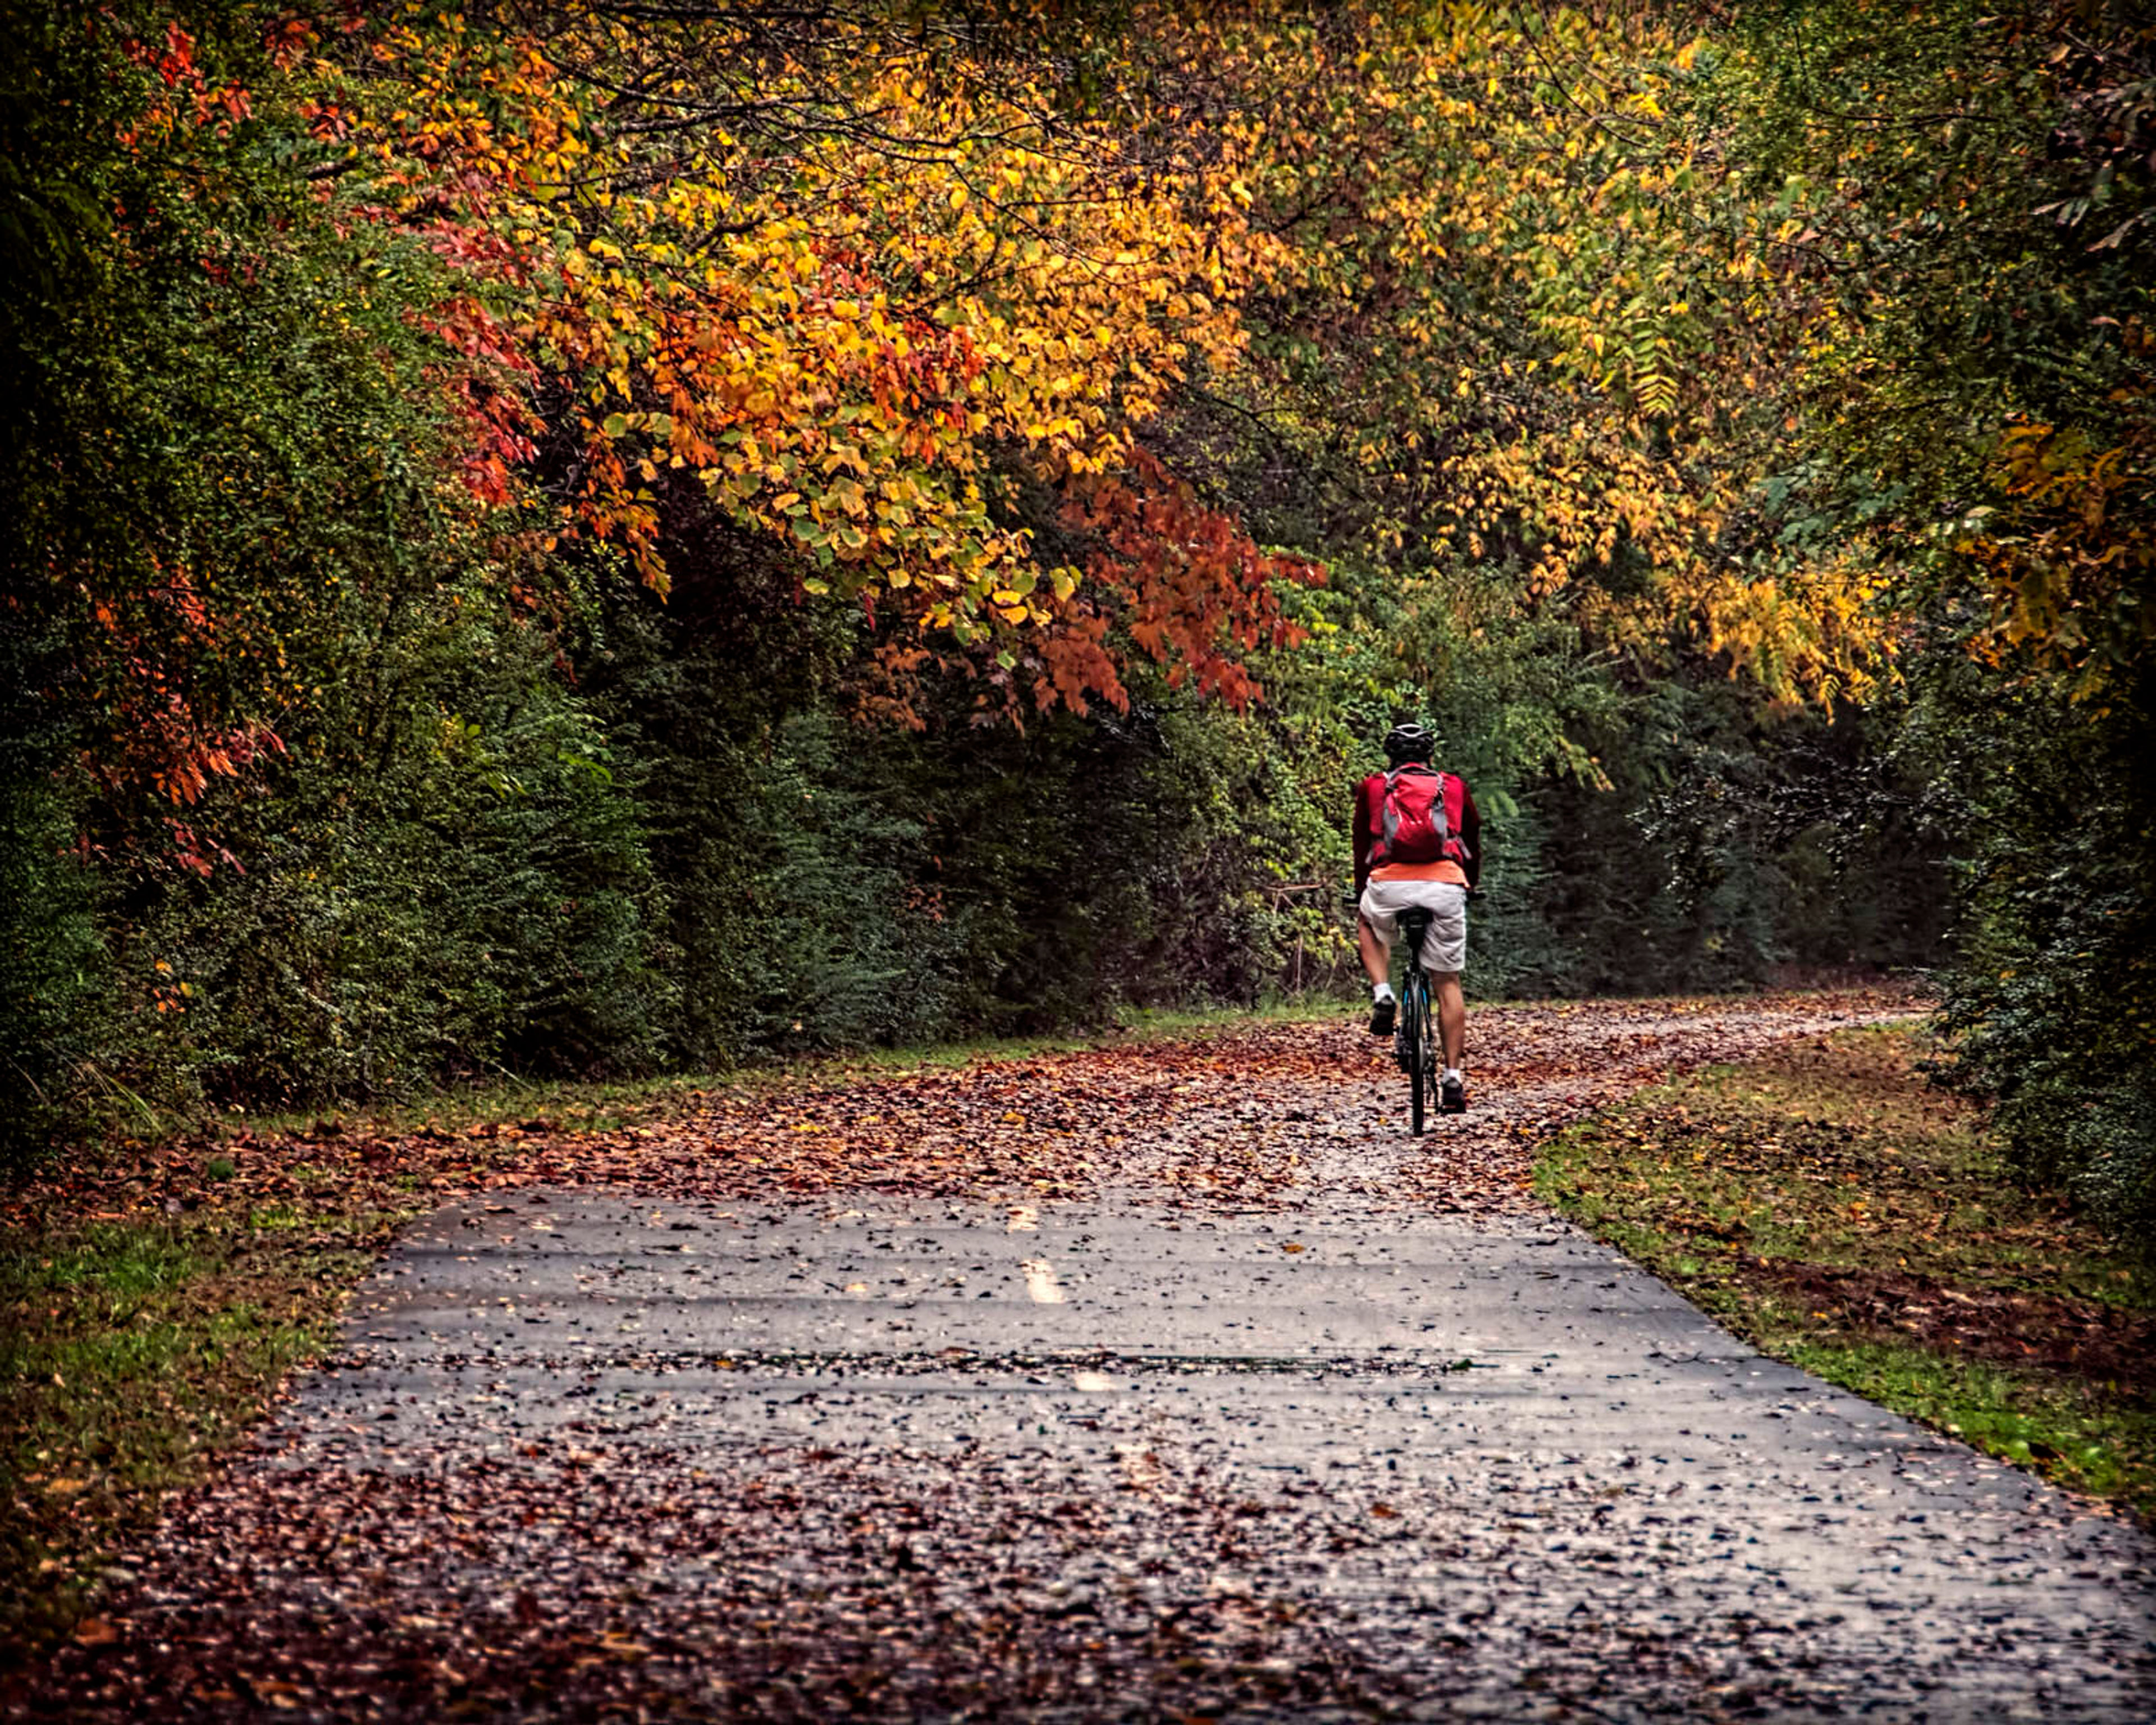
[[1420, 1094]]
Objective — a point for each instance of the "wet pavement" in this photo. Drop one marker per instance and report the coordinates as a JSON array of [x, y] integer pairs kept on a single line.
[[599, 1453]]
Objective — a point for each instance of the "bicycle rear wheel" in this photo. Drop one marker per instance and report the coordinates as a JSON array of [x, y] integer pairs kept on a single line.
[[1422, 1094]]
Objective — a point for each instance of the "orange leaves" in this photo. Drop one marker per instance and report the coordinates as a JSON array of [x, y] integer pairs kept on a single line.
[[2066, 561], [1075, 669], [181, 760]]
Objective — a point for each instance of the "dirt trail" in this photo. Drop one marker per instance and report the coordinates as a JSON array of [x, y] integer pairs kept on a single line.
[[1167, 1381]]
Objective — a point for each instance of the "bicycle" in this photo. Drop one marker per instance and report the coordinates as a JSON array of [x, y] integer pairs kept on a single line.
[[1414, 1043]]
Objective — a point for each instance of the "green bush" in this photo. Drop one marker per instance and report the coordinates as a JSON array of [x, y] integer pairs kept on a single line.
[[445, 875], [835, 884], [54, 973], [2052, 999]]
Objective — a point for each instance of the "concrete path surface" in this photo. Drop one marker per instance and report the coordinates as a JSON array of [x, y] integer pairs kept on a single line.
[[594, 1453]]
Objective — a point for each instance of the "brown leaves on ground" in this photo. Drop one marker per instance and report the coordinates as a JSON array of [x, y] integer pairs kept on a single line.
[[1839, 1152], [1229, 1115], [1256, 1114], [969, 1564], [2050, 1333], [1831, 1205]]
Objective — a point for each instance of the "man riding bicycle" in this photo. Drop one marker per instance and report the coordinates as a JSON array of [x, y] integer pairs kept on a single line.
[[1417, 846]]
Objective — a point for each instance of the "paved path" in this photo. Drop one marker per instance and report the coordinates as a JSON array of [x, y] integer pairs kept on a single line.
[[851, 1454]]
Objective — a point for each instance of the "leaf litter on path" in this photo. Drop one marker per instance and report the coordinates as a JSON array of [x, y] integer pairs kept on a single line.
[[588, 1572], [1252, 1113]]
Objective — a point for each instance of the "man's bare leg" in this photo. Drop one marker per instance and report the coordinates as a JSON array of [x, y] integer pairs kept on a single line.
[[1377, 957], [1451, 1016], [1377, 964]]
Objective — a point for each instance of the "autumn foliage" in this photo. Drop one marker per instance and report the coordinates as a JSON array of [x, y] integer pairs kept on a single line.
[[852, 290], [864, 289], [569, 470]]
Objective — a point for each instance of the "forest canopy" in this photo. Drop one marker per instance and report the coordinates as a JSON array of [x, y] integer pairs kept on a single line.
[[592, 537]]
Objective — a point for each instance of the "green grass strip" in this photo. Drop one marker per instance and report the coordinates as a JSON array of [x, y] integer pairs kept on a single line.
[[1827, 1204]]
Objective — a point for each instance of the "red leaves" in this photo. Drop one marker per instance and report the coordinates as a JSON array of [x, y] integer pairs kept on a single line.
[[165, 747], [1186, 584], [215, 106], [1168, 577], [225, 106], [176, 65], [1075, 665], [487, 386]]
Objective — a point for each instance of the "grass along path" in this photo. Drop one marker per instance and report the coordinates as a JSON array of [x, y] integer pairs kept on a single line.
[[1829, 1206], [132, 1351]]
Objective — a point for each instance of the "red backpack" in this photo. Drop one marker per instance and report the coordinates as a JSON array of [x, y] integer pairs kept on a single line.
[[1415, 815]]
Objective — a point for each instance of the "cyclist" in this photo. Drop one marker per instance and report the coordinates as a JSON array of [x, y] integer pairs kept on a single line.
[[1418, 843]]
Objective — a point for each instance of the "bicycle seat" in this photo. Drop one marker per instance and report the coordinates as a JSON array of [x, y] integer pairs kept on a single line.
[[1416, 918]]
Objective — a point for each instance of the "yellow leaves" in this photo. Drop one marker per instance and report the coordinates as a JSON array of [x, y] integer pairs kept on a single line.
[[1806, 633], [2061, 555]]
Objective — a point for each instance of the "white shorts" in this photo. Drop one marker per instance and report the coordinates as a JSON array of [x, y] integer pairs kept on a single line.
[[1444, 947]]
